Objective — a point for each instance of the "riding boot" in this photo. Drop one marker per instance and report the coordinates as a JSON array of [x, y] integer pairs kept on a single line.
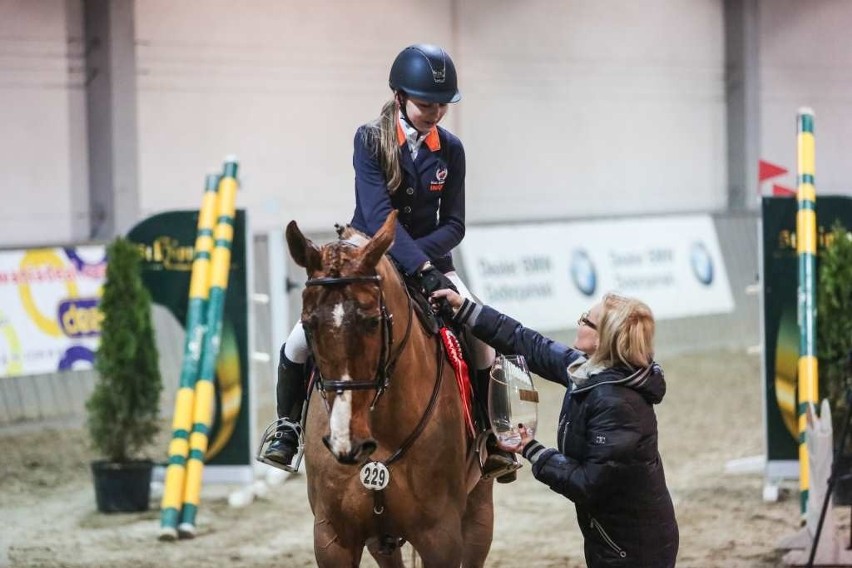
[[290, 392], [497, 459]]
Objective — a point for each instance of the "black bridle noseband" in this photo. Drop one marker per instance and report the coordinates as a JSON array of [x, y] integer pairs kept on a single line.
[[387, 357]]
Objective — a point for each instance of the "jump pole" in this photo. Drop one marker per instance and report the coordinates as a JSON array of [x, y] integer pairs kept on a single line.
[[205, 385], [199, 288], [806, 249]]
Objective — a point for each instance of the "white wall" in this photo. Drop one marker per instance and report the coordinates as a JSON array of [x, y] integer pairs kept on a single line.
[[806, 60], [283, 85], [43, 169], [577, 108], [571, 108]]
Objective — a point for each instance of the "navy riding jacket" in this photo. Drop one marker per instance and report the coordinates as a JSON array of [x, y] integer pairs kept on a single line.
[[430, 200]]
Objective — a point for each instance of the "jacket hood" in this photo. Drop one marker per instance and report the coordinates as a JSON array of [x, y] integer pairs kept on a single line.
[[648, 381]]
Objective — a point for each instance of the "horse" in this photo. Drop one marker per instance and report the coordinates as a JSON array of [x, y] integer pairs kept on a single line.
[[389, 402]]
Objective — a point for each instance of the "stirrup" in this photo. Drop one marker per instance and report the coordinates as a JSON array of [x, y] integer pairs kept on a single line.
[[269, 436], [482, 451]]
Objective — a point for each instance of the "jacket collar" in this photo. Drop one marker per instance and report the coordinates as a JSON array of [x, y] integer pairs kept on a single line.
[[648, 381], [433, 141]]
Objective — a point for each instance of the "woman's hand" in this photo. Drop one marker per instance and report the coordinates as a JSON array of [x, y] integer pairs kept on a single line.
[[451, 297], [526, 438]]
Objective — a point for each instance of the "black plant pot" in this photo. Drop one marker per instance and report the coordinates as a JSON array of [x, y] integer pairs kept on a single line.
[[842, 494], [122, 487]]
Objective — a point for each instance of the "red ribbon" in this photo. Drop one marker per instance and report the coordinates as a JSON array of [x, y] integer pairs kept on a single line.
[[454, 353]]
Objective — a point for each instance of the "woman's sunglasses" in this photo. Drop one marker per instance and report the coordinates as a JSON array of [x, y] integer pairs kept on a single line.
[[584, 320]]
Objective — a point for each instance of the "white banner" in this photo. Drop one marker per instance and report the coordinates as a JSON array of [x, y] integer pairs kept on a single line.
[[547, 274], [49, 316]]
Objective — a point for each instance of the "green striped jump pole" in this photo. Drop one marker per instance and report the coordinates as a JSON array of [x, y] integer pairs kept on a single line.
[[205, 385], [806, 249], [199, 287]]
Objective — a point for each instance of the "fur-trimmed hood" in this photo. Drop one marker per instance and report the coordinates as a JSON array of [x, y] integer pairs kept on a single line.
[[647, 381]]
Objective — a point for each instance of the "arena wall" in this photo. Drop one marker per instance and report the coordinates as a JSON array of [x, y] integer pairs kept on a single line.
[[62, 396]]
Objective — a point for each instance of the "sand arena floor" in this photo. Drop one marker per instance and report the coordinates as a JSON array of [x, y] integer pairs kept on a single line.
[[711, 414]]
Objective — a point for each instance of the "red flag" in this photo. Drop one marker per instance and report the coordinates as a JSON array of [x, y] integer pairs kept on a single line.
[[781, 191], [767, 171]]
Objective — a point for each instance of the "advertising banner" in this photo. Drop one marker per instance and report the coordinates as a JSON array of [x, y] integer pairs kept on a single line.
[[49, 317], [780, 277], [167, 243], [545, 273]]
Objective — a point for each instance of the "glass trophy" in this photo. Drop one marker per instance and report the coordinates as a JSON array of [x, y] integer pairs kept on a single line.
[[512, 399]]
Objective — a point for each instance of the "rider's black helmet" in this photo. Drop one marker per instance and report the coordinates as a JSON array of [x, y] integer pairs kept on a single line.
[[425, 72]]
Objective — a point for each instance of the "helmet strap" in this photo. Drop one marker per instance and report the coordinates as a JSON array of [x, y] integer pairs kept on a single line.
[[402, 102]]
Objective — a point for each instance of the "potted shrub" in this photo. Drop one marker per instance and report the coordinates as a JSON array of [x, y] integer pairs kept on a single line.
[[834, 341], [123, 410]]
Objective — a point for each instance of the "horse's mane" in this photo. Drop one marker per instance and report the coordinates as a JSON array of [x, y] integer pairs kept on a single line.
[[352, 235]]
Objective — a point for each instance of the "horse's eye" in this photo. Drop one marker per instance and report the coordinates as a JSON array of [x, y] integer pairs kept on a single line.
[[372, 323]]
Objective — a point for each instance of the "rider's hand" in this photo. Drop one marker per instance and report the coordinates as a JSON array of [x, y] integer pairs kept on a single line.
[[433, 279]]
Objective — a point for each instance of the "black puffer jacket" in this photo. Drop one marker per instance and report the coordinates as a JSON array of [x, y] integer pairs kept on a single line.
[[607, 462]]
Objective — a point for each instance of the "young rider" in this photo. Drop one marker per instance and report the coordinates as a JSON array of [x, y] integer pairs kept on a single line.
[[403, 160]]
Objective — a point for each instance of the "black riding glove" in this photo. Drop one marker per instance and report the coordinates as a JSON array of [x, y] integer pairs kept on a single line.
[[433, 279]]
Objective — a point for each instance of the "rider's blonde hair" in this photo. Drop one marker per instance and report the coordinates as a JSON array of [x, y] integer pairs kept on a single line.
[[625, 333], [382, 139]]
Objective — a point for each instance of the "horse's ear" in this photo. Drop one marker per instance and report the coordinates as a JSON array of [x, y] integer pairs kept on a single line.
[[304, 252], [380, 243]]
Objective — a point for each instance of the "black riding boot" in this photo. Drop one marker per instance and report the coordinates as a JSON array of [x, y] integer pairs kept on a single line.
[[290, 391], [497, 459]]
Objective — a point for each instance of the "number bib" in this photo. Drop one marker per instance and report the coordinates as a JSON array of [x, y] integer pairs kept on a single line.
[[375, 476]]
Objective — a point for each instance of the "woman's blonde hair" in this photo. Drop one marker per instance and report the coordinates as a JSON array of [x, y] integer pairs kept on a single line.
[[625, 333], [381, 137]]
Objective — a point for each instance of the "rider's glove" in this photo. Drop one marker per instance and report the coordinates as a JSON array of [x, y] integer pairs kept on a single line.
[[432, 279]]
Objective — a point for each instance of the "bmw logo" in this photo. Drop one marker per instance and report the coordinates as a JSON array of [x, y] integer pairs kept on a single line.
[[702, 263], [583, 272]]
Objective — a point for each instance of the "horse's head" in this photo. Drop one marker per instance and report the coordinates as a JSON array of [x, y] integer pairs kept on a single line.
[[348, 327]]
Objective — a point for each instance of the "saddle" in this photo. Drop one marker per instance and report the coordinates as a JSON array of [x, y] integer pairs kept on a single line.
[[422, 307]]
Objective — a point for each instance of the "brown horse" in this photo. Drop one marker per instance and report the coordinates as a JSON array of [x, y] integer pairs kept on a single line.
[[388, 396]]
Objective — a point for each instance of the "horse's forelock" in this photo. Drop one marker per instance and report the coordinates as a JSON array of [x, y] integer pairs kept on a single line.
[[334, 260], [349, 233], [350, 236]]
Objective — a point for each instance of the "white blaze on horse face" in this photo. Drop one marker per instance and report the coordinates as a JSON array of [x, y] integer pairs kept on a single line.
[[341, 415], [337, 313]]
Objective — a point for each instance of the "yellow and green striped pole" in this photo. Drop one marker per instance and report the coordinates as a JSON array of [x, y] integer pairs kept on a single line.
[[199, 287], [205, 385], [806, 248]]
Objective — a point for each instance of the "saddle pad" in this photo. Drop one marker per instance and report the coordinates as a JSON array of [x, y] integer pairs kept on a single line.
[[454, 353]]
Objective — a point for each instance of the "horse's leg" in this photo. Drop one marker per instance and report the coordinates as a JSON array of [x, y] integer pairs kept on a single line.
[[478, 524], [329, 550], [440, 546], [393, 560]]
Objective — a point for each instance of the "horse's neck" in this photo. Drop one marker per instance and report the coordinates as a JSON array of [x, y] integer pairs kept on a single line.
[[412, 380]]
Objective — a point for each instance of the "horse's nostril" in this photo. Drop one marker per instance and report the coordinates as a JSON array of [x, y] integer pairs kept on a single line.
[[368, 447]]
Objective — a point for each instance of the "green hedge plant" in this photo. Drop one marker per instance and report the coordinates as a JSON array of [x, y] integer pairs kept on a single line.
[[123, 411], [834, 321]]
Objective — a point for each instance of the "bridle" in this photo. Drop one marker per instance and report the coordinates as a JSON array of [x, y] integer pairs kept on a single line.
[[388, 357]]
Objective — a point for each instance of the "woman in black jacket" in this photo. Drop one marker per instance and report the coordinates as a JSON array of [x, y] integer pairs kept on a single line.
[[607, 460]]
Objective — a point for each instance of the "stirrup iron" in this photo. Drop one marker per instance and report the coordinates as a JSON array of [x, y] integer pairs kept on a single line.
[[269, 436], [481, 446]]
